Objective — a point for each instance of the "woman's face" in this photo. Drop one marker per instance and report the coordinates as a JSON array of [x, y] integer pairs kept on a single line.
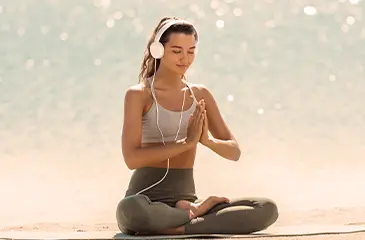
[[179, 52]]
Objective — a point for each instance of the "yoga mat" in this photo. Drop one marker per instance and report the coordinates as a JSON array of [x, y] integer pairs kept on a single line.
[[279, 231]]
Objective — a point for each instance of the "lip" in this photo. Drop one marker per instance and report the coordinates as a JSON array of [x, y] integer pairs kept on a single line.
[[181, 66]]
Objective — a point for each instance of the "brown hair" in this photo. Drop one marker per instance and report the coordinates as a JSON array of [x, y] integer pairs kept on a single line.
[[148, 63]]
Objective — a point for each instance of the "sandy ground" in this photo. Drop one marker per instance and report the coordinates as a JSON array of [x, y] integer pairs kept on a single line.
[[355, 236], [47, 193]]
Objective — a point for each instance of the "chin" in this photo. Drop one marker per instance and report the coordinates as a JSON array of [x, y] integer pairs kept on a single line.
[[181, 71]]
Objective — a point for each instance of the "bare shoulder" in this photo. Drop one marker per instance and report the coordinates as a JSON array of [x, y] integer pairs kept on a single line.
[[201, 91], [137, 89], [137, 92]]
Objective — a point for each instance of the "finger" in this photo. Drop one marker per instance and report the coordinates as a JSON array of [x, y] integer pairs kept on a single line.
[[196, 116], [201, 120], [203, 104], [200, 106], [205, 118], [197, 111]]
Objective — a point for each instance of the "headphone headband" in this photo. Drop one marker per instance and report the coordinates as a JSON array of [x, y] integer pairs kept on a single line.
[[156, 48], [168, 25]]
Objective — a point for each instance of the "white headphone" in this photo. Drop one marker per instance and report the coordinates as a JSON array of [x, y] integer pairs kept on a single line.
[[157, 52], [157, 49]]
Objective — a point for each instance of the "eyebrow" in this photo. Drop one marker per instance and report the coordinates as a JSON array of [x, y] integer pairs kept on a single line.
[[193, 47]]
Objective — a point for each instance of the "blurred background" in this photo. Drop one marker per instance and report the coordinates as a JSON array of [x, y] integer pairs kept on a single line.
[[288, 77]]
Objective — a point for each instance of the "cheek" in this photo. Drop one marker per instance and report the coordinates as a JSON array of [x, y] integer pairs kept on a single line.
[[191, 58], [172, 58], [168, 60]]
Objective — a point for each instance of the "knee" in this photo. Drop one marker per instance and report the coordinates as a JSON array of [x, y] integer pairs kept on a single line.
[[131, 214], [270, 212]]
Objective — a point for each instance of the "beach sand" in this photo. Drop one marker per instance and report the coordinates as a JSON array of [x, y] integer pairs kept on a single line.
[[48, 193]]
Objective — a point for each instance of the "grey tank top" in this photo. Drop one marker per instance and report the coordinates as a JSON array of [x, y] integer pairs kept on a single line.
[[168, 122]]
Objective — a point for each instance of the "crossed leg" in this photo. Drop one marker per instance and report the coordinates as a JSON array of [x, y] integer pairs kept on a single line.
[[239, 216], [137, 214]]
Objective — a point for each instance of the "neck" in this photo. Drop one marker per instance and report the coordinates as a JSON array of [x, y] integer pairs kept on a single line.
[[167, 78]]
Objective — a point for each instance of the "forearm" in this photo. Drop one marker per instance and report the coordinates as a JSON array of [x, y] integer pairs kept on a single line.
[[145, 156], [228, 149]]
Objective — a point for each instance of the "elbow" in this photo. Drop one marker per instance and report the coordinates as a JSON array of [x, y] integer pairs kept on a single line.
[[130, 166], [130, 161], [237, 154], [133, 159], [233, 153]]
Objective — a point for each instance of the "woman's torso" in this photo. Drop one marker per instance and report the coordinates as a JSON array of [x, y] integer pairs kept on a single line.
[[169, 104]]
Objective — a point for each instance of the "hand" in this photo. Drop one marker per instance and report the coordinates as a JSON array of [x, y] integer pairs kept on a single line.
[[204, 138], [195, 126]]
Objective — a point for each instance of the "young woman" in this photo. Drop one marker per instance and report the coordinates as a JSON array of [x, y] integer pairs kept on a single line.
[[165, 119]]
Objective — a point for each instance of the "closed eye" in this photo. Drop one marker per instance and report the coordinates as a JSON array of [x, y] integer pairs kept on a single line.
[[178, 49], [190, 52]]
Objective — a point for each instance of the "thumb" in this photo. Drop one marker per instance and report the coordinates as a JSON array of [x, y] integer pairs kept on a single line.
[[201, 124], [205, 119]]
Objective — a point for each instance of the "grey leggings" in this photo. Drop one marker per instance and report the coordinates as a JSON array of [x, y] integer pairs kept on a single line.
[[143, 213]]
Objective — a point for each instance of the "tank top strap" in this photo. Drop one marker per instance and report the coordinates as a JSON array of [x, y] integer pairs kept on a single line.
[[149, 82], [191, 91]]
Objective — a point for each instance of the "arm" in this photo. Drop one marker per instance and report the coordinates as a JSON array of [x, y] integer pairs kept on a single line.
[[136, 156], [222, 140]]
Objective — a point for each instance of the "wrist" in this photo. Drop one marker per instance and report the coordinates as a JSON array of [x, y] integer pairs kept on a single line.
[[208, 142], [186, 143]]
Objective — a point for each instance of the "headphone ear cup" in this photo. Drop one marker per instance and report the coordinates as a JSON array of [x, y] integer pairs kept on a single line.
[[157, 50]]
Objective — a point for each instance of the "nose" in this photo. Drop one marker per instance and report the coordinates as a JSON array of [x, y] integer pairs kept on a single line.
[[184, 58]]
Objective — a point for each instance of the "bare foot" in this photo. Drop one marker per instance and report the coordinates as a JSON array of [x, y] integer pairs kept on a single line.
[[198, 209], [187, 206]]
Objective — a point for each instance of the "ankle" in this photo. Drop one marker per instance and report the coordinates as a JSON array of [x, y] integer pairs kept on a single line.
[[192, 214], [173, 231], [181, 230]]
